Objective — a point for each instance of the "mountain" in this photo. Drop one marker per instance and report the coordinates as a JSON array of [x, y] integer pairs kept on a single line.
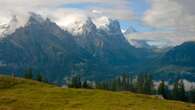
[[137, 43], [43, 46], [22, 94], [130, 30], [174, 63], [96, 49], [103, 39], [182, 55]]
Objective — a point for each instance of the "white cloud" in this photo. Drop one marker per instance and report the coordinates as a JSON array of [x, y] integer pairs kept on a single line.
[[163, 39], [171, 14], [175, 19], [62, 11], [113, 8], [74, 23]]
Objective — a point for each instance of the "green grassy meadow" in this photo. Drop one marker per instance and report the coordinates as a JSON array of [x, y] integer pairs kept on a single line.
[[22, 94]]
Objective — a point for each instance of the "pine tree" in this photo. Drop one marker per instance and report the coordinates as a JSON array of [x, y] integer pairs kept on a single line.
[[191, 97], [85, 85], [148, 84], [182, 93], [178, 92], [139, 83], [175, 91], [163, 89], [144, 84], [75, 82]]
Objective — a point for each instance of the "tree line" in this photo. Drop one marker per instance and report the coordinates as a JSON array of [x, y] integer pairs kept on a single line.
[[178, 91], [142, 83], [28, 74], [137, 83]]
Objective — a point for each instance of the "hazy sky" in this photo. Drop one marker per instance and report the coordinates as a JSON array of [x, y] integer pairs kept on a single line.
[[169, 20]]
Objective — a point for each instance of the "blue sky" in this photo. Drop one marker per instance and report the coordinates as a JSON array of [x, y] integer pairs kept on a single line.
[[140, 6]]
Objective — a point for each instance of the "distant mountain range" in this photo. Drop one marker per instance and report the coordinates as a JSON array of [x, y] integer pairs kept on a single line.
[[174, 63], [96, 49], [182, 55]]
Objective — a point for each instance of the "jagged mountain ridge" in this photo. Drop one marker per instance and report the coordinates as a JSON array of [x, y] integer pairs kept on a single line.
[[47, 48], [42, 46]]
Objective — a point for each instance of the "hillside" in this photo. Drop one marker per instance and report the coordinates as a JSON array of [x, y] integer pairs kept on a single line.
[[182, 55], [21, 94]]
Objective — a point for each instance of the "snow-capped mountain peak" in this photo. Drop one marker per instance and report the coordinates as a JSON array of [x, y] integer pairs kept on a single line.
[[16, 22], [108, 24], [9, 27], [102, 22], [82, 24], [77, 24]]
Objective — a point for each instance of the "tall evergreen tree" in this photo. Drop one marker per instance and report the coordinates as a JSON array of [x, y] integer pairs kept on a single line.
[[191, 97], [85, 85], [175, 91], [148, 84], [75, 82], [178, 92], [139, 83], [163, 89], [182, 92], [144, 84]]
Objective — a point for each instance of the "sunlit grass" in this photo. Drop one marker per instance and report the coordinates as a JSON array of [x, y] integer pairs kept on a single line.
[[20, 94]]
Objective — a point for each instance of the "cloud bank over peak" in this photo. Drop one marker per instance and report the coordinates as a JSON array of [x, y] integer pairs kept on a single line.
[[77, 23], [59, 8]]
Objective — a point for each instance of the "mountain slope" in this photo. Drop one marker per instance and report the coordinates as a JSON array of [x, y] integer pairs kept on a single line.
[[130, 30], [103, 39], [94, 50], [43, 46], [182, 55], [179, 59], [21, 94]]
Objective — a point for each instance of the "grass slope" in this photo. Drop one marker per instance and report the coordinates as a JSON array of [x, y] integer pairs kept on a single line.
[[21, 94]]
